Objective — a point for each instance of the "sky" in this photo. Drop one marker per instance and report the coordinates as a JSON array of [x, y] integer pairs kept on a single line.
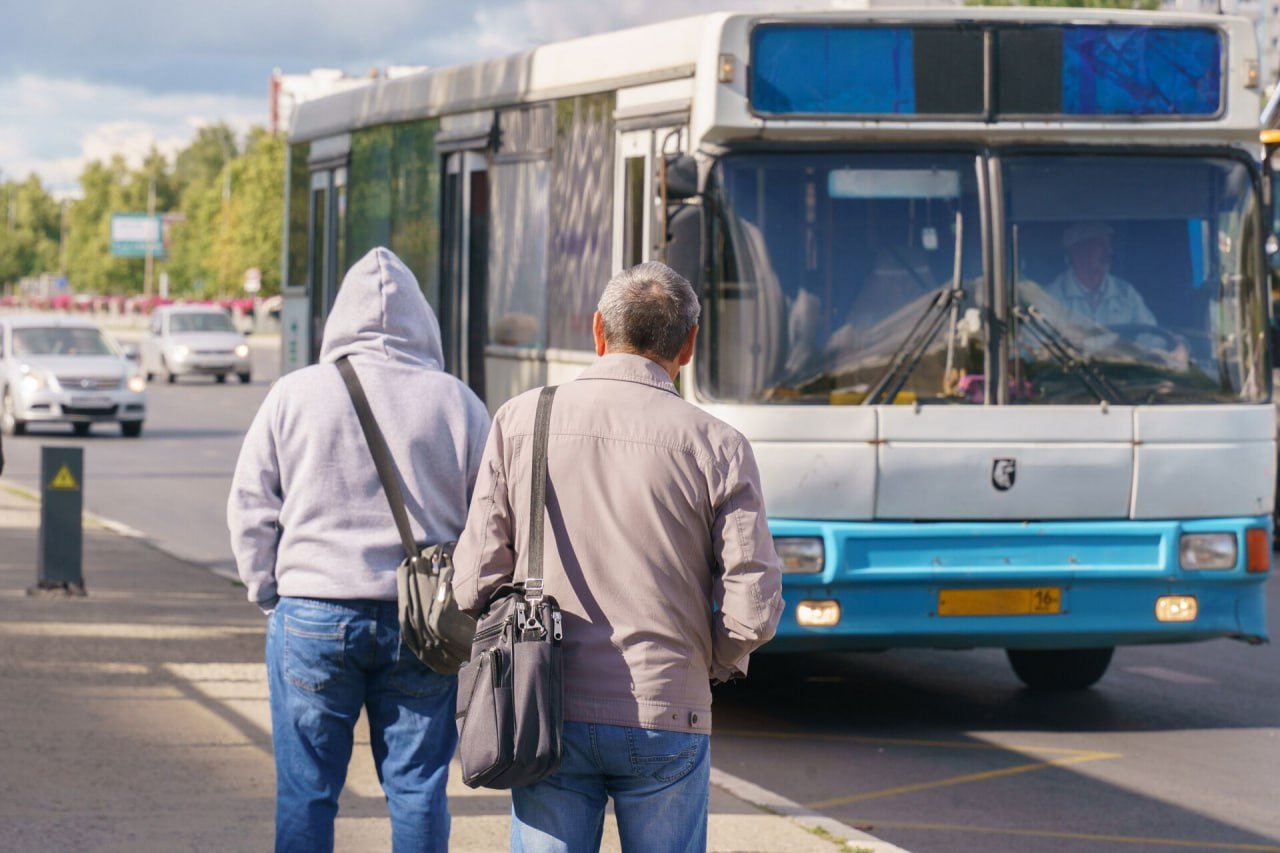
[[85, 79]]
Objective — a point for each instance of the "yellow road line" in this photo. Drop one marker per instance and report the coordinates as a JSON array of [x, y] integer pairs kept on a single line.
[[1072, 836], [893, 741], [960, 780]]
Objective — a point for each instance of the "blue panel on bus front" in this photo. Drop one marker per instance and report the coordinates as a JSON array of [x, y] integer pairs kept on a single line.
[[833, 70], [1141, 71]]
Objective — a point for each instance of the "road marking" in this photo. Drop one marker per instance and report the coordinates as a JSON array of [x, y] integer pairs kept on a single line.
[[961, 780], [769, 801], [1169, 675], [1075, 836], [897, 741]]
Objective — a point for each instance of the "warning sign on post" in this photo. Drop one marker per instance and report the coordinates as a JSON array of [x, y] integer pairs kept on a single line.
[[64, 480]]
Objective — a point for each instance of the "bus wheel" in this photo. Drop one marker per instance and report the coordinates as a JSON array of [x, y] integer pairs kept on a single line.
[[1060, 669]]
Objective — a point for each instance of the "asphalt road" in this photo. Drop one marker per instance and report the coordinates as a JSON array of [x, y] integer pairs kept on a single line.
[[1178, 748], [172, 483]]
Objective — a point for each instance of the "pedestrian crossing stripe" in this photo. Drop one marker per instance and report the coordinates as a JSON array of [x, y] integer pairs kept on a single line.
[[64, 480]]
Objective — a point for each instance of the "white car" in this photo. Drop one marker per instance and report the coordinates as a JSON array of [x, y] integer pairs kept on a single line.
[[64, 370], [187, 340]]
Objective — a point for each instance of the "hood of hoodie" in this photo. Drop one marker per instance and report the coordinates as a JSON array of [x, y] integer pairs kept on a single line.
[[381, 312]]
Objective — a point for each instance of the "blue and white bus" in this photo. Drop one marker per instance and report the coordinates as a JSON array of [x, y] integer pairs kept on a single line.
[[985, 288]]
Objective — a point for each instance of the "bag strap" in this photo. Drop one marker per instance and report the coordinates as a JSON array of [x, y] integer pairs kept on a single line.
[[538, 493], [381, 455]]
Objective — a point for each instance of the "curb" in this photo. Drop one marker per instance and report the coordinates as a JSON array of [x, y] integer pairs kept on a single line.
[[766, 800], [121, 529]]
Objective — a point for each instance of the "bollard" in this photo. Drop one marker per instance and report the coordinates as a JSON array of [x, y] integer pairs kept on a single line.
[[61, 545]]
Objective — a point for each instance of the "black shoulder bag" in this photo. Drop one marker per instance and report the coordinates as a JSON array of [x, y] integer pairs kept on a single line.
[[431, 624], [511, 695]]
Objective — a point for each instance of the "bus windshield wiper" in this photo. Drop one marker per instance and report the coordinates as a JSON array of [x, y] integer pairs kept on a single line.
[[913, 346], [945, 304], [1073, 361]]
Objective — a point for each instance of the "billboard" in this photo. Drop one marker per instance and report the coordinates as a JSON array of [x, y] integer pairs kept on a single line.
[[132, 233]]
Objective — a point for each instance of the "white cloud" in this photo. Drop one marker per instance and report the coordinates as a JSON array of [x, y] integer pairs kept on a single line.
[[53, 127], [85, 80]]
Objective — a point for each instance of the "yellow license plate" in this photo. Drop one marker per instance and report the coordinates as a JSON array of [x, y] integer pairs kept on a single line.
[[1021, 601]]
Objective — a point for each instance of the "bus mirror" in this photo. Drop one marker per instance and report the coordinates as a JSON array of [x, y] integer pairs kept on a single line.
[[679, 177], [684, 243]]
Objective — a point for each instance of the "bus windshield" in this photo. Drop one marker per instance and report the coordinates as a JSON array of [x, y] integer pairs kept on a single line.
[[1137, 282], [844, 278]]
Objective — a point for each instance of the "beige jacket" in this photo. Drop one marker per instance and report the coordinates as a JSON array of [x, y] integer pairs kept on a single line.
[[657, 547]]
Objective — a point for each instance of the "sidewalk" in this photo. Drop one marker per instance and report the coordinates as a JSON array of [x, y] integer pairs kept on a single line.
[[136, 719]]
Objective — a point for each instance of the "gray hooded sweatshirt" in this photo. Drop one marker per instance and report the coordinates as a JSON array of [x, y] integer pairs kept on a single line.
[[307, 513]]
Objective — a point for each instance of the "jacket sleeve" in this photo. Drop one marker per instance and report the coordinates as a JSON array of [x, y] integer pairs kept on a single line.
[[485, 557], [478, 439], [253, 508], [748, 585]]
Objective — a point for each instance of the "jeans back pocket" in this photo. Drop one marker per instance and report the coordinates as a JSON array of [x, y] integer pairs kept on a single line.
[[663, 755], [314, 652]]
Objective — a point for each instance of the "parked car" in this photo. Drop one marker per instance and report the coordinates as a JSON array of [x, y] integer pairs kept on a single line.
[[64, 370], [184, 340]]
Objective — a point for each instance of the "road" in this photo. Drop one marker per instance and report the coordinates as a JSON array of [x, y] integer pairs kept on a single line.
[[172, 483], [1176, 749]]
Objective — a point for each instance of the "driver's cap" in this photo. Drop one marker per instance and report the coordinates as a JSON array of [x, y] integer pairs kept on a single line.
[[1082, 231]]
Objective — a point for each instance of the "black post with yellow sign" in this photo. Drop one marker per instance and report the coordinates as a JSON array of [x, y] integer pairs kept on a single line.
[[61, 550]]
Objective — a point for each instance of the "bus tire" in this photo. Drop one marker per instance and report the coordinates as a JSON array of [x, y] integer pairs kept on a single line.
[[1060, 669]]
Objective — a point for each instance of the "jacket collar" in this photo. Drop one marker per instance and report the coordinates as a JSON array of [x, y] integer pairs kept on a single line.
[[626, 367]]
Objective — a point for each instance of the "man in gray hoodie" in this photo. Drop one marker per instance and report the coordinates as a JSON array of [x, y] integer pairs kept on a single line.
[[317, 547]]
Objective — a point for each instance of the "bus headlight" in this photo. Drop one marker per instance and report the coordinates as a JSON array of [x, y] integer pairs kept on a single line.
[[137, 384], [1176, 608], [800, 555], [817, 614], [1208, 551], [242, 350], [181, 352]]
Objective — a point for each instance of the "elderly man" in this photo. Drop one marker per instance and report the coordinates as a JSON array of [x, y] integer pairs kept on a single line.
[[659, 556], [1086, 293]]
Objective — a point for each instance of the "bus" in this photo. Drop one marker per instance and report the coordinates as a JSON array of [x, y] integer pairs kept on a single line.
[[985, 288]]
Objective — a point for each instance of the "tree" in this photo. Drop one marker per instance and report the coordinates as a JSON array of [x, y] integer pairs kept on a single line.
[[30, 222], [204, 159], [90, 265]]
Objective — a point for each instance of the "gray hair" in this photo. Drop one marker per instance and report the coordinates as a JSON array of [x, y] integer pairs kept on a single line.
[[649, 310]]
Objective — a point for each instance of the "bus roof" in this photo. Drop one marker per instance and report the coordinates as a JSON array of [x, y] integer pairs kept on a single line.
[[678, 49]]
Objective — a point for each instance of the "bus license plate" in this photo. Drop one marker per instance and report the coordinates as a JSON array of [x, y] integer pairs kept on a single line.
[[1018, 601]]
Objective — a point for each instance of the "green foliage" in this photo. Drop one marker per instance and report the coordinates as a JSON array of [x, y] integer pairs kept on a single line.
[[29, 223], [223, 204]]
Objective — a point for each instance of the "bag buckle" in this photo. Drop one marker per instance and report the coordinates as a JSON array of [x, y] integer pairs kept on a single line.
[[533, 589]]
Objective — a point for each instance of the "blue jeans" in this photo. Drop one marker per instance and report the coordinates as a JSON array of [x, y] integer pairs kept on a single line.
[[660, 783], [327, 659]]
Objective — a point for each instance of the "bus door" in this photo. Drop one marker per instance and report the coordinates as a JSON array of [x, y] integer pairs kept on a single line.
[[326, 256], [465, 265], [637, 217]]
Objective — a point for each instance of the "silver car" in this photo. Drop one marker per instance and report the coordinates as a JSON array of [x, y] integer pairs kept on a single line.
[[64, 370], [187, 340]]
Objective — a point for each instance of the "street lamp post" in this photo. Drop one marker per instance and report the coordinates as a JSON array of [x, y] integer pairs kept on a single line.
[[151, 241]]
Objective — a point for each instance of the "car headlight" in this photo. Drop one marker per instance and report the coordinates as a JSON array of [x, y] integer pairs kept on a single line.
[[180, 352], [33, 379], [242, 350], [800, 554], [137, 384], [1207, 551]]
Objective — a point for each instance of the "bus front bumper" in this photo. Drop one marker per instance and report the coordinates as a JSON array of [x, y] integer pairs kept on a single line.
[[1068, 584]]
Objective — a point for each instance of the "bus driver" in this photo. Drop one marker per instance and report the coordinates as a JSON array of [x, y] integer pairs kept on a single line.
[[1086, 293]]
